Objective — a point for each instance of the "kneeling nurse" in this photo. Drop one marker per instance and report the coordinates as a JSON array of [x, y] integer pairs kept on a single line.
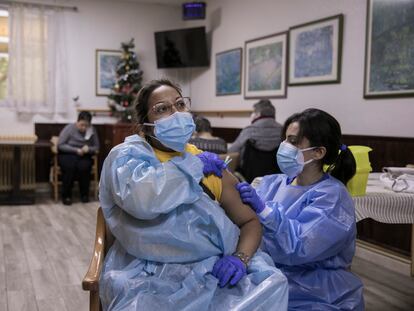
[[308, 215]]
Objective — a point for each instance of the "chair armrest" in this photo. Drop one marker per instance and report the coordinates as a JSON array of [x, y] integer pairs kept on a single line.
[[91, 280]]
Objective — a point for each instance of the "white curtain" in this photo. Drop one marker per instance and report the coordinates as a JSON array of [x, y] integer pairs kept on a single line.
[[37, 60]]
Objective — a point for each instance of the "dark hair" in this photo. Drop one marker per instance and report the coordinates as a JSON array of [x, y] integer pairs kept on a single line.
[[85, 115], [264, 108], [141, 102], [322, 129], [202, 124]]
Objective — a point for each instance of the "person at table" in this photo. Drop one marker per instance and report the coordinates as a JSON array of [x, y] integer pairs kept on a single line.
[[184, 240], [203, 137], [76, 145], [308, 215], [264, 130]]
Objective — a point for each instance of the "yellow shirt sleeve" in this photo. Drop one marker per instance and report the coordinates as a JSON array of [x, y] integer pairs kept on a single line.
[[212, 182]]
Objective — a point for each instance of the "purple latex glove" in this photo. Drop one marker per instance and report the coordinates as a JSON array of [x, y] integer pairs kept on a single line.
[[229, 268], [212, 163], [249, 196]]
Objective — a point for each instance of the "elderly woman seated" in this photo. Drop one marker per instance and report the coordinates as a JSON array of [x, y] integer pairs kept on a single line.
[[184, 239]]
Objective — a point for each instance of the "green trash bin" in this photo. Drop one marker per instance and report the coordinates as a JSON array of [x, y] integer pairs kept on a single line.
[[357, 185]]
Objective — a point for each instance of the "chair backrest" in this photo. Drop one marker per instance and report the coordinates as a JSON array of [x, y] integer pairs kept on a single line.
[[257, 163]]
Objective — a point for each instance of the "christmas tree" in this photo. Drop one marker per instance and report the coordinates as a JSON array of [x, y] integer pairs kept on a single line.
[[127, 85]]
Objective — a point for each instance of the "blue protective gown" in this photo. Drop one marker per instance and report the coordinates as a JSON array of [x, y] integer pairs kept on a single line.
[[169, 234], [310, 233]]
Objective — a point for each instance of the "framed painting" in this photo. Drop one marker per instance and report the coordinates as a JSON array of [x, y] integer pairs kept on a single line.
[[106, 63], [315, 51], [389, 46], [228, 72], [266, 67]]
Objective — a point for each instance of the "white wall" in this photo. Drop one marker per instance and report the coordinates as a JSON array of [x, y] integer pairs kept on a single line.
[[101, 24], [104, 24], [232, 22]]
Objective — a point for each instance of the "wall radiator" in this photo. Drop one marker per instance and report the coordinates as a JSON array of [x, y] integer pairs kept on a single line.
[[27, 162]]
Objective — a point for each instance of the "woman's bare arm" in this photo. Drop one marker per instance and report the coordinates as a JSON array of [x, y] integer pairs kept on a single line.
[[242, 215]]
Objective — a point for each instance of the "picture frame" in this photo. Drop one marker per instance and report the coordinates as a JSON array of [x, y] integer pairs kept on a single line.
[[106, 63], [266, 66], [315, 51], [389, 42], [228, 72]]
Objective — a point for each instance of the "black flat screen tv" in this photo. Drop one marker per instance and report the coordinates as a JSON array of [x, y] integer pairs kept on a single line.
[[181, 48]]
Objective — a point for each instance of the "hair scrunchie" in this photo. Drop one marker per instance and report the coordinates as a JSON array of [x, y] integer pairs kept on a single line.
[[343, 147]]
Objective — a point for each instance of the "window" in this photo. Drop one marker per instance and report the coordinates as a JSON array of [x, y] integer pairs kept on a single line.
[[4, 51]]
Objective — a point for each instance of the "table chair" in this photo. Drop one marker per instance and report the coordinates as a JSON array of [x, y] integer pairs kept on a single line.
[[55, 171]]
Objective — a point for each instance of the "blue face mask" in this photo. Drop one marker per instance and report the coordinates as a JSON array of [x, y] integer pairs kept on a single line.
[[175, 130], [290, 159]]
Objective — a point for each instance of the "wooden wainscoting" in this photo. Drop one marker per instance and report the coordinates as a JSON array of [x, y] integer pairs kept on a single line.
[[386, 151]]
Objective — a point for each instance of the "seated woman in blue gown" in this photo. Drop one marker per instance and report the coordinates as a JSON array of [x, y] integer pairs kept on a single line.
[[309, 216], [184, 239]]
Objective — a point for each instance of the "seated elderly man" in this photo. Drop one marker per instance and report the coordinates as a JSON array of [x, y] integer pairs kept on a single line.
[[77, 143], [263, 130]]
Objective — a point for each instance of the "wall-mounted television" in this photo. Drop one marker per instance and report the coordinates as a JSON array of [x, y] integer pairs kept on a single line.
[[181, 48]]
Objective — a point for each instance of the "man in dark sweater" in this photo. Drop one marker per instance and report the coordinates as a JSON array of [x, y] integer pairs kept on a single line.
[[77, 143], [264, 131]]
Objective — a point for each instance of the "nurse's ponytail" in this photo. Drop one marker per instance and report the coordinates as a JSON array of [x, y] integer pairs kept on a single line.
[[344, 167]]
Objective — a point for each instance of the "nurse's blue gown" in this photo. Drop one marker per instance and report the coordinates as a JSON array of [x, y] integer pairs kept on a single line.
[[309, 231], [169, 234]]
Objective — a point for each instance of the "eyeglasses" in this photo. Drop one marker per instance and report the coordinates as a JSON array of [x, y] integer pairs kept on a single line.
[[182, 104]]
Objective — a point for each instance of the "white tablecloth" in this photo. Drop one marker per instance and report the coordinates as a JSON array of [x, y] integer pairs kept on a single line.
[[384, 205]]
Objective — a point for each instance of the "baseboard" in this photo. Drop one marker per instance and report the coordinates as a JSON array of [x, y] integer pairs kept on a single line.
[[383, 257]]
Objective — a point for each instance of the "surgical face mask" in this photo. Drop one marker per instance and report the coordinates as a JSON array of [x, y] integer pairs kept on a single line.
[[175, 130], [290, 159]]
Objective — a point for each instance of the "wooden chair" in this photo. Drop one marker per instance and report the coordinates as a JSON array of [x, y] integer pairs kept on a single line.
[[103, 241], [55, 171]]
